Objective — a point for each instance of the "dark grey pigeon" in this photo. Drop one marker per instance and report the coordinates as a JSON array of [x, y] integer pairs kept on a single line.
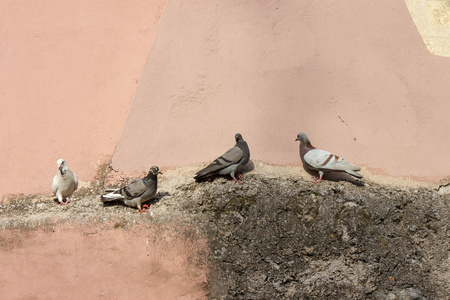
[[228, 164], [137, 192]]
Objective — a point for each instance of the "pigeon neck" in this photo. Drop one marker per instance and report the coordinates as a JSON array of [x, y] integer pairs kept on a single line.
[[62, 170], [243, 146], [151, 177], [240, 143], [305, 147]]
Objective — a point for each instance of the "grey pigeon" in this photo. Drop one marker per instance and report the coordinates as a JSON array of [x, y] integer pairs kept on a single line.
[[137, 192], [228, 164], [65, 182], [320, 161]]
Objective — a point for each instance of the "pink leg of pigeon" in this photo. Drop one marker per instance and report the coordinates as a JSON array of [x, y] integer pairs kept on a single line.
[[239, 176], [64, 203], [320, 178], [235, 180]]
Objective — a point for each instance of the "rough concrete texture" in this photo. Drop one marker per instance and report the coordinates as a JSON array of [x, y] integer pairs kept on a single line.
[[69, 71], [354, 75], [286, 239], [273, 237]]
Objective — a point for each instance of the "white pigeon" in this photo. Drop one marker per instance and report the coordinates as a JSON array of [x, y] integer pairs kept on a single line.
[[320, 161], [65, 182]]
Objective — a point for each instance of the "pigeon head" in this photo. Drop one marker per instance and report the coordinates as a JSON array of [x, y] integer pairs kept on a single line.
[[60, 162], [305, 144], [302, 138], [238, 137], [154, 171]]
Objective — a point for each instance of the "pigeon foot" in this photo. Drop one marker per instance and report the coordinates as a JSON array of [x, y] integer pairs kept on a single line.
[[318, 180], [143, 206], [235, 180]]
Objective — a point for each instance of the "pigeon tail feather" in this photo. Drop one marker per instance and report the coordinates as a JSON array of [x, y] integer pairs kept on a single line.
[[111, 197], [353, 173], [209, 171], [204, 176]]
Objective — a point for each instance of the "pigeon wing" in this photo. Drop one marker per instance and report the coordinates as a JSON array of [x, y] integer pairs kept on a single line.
[[134, 189], [55, 184], [324, 160], [231, 157]]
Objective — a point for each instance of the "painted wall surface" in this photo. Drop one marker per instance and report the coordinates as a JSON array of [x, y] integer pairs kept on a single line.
[[92, 261], [68, 72], [354, 75]]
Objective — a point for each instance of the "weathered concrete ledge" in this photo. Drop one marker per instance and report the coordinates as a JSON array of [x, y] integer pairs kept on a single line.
[[286, 237]]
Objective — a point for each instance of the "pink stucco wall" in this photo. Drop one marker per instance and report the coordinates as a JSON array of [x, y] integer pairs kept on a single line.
[[68, 72], [354, 75]]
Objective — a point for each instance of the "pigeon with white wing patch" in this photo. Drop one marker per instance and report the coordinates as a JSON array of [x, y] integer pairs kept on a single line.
[[321, 161], [65, 182]]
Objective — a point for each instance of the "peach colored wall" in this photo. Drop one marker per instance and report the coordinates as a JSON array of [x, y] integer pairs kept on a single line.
[[354, 75], [68, 72], [88, 261]]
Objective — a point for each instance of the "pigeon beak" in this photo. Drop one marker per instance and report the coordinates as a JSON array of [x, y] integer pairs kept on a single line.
[[159, 172], [297, 139]]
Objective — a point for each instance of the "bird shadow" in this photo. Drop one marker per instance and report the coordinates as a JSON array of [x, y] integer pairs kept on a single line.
[[336, 177], [250, 166], [157, 197]]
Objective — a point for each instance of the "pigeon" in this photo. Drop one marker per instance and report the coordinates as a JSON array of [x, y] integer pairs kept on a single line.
[[137, 192], [65, 182], [322, 161], [229, 163]]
